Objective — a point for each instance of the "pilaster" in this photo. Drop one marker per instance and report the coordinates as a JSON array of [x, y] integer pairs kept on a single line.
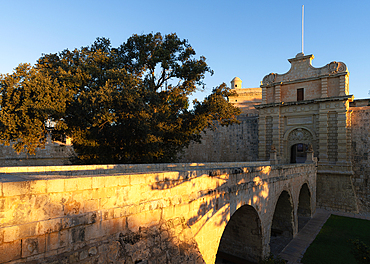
[[262, 137], [323, 131], [342, 136], [349, 135], [324, 87], [342, 85], [281, 151], [277, 94], [346, 79], [264, 99], [276, 129]]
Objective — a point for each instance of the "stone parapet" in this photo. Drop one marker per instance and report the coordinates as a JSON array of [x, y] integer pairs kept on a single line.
[[83, 214]]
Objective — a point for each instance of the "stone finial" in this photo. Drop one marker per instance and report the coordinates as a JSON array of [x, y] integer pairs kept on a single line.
[[310, 148], [301, 54], [335, 67], [269, 78], [310, 157]]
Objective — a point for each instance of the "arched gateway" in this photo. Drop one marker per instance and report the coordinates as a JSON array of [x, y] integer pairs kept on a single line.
[[297, 141]]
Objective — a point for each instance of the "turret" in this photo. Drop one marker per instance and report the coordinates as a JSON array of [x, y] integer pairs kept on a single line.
[[236, 83]]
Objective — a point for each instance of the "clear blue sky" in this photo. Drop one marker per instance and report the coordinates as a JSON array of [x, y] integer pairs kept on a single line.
[[248, 39]]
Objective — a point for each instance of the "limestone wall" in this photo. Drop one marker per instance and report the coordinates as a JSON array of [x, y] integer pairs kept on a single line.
[[312, 90], [228, 144], [361, 154], [335, 191], [99, 214], [246, 99], [53, 154]]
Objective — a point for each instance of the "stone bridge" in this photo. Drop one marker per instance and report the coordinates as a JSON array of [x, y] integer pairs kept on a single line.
[[159, 213]]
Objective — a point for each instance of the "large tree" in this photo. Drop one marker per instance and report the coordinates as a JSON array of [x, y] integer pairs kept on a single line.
[[130, 104], [30, 101]]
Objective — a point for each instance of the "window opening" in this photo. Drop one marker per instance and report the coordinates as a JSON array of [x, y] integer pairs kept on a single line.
[[300, 94]]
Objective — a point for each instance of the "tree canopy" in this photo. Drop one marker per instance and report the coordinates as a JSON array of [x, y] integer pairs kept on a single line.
[[128, 104], [29, 101]]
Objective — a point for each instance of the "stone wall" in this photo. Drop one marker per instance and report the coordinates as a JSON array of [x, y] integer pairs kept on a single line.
[[289, 91], [100, 214], [361, 154], [335, 191], [350, 192], [82, 215], [238, 142], [54, 153], [246, 99]]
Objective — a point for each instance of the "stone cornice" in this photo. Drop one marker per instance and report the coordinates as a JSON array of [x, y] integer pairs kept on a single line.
[[318, 100], [339, 171]]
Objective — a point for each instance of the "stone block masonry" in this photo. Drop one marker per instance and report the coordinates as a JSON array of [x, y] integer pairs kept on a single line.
[[54, 153], [336, 192], [238, 142], [361, 153], [105, 214]]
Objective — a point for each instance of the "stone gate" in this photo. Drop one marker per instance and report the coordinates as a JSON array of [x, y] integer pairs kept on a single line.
[[309, 106]]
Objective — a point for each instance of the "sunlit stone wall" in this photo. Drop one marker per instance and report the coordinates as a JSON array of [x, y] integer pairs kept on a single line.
[[83, 214], [238, 142], [360, 126]]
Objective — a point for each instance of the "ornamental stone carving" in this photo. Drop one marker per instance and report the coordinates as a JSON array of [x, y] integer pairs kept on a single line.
[[268, 79], [300, 134], [335, 67], [310, 148], [342, 67]]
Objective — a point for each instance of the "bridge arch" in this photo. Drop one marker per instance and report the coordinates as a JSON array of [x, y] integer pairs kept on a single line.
[[242, 237], [282, 226], [304, 206]]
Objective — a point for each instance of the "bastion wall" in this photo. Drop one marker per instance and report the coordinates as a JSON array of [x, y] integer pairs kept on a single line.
[[360, 126], [238, 142], [53, 154]]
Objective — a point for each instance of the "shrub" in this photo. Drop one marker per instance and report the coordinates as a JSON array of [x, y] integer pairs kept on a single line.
[[271, 259], [361, 251]]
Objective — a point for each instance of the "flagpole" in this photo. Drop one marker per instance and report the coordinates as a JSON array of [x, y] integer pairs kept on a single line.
[[302, 26]]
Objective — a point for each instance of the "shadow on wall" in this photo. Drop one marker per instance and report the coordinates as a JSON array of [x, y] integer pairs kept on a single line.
[[281, 227], [304, 206], [234, 201], [241, 241], [56, 217], [227, 192], [167, 242], [178, 217]]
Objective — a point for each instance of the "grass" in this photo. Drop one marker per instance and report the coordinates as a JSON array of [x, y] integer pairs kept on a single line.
[[333, 245]]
